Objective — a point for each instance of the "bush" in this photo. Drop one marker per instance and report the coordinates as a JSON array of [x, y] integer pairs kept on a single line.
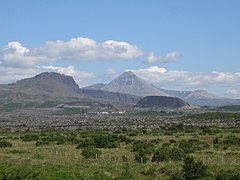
[[91, 152], [231, 140], [134, 133], [162, 154], [193, 170], [41, 143], [86, 143], [141, 156], [215, 140], [125, 139], [147, 146], [29, 137], [152, 172], [142, 149], [177, 154], [167, 153], [187, 147], [228, 175], [5, 144], [172, 141], [106, 141]]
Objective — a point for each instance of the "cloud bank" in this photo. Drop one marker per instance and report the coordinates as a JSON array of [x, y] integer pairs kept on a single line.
[[81, 49], [170, 78], [76, 49]]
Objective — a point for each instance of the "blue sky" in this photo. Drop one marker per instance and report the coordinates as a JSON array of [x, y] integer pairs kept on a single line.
[[182, 45]]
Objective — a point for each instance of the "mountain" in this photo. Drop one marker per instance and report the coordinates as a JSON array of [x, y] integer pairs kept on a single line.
[[49, 84], [162, 101], [97, 86], [112, 96], [129, 83], [50, 89]]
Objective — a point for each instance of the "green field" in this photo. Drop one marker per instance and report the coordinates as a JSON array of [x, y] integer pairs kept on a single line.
[[156, 154]]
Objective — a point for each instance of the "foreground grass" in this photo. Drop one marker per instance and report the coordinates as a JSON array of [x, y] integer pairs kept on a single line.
[[60, 159]]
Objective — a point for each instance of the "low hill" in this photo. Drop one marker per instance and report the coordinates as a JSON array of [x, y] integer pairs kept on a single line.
[[161, 101]]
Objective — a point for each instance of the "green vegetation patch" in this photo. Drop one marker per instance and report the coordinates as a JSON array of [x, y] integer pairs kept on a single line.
[[213, 115]]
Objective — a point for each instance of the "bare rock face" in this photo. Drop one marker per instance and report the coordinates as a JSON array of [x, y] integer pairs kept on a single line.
[[129, 83], [162, 101]]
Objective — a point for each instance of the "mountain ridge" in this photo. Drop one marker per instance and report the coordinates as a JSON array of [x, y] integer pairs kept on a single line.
[[197, 97]]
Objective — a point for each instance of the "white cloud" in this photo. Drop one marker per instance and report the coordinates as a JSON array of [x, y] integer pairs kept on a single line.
[[82, 78], [233, 93], [80, 49], [168, 58], [15, 55], [169, 78]]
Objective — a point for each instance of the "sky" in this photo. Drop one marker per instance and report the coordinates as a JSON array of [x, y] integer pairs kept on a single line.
[[178, 45]]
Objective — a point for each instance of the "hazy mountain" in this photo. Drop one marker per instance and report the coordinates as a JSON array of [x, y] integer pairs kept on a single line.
[[112, 96], [51, 89], [127, 88], [97, 86], [129, 83], [162, 101]]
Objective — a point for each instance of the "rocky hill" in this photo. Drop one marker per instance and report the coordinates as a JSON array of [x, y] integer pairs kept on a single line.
[[48, 84], [161, 101]]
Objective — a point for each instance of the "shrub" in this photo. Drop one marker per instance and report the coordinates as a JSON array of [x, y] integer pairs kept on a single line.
[[231, 140], [134, 133], [85, 143], [125, 139], [106, 141], [187, 147], [167, 153], [150, 172], [228, 175], [215, 140], [193, 170], [172, 141], [141, 156], [147, 146], [41, 143], [90, 152], [29, 137], [5, 144], [177, 154], [162, 154]]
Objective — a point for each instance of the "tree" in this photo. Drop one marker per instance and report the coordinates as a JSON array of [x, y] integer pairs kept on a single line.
[[192, 169], [141, 156], [90, 152]]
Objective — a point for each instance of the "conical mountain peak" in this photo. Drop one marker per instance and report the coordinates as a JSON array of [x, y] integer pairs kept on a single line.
[[129, 83]]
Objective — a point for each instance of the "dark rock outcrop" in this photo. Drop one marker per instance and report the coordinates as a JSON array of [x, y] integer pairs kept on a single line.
[[161, 101]]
